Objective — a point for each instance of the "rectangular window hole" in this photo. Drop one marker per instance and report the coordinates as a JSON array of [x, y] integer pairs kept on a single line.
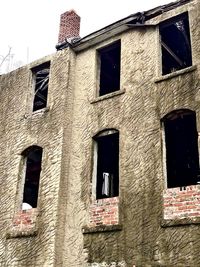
[[109, 59], [182, 157], [175, 44], [41, 74]]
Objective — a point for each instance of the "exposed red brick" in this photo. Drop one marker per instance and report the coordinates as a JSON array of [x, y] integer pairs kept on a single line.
[[181, 203], [24, 219], [69, 26], [104, 212]]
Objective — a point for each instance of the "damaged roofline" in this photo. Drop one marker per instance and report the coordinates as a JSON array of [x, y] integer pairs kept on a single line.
[[101, 36], [80, 44], [134, 20]]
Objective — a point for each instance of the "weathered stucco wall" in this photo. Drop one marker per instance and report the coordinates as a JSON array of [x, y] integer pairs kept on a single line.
[[65, 237], [145, 98], [21, 128]]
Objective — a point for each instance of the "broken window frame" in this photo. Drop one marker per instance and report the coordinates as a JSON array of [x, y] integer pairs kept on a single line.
[[180, 149], [32, 166], [110, 176], [109, 68], [41, 83], [174, 57]]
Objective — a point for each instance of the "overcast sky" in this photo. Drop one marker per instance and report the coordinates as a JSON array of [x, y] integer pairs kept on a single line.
[[30, 27]]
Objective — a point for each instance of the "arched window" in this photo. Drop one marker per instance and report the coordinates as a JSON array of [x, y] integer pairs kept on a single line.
[[33, 161], [181, 140], [107, 163]]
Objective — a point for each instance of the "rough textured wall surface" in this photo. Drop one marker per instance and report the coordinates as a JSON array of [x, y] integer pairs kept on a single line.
[[137, 110], [20, 128], [65, 131]]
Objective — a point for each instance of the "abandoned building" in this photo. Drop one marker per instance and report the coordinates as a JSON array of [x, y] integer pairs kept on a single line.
[[100, 146]]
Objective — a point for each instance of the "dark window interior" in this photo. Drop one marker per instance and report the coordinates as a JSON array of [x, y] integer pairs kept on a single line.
[[41, 86], [181, 148], [176, 45], [108, 166], [32, 176], [110, 68]]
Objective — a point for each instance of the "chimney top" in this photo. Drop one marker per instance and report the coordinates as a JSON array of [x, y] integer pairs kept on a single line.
[[69, 26]]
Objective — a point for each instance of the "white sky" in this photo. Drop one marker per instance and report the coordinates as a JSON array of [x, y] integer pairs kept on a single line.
[[30, 27]]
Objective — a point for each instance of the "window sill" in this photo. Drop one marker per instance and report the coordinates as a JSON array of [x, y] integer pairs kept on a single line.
[[19, 233], [107, 96], [41, 111], [101, 228], [179, 222], [37, 113], [175, 74]]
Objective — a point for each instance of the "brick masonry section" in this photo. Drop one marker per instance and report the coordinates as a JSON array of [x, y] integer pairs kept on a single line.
[[182, 202], [104, 212], [24, 222], [69, 26]]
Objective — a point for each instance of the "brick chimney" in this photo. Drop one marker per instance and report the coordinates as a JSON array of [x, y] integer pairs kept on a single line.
[[69, 26]]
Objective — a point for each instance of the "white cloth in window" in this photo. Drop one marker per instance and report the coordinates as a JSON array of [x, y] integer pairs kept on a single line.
[[26, 206], [106, 184]]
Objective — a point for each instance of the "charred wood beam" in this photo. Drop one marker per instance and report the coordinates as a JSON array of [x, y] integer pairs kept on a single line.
[[178, 60]]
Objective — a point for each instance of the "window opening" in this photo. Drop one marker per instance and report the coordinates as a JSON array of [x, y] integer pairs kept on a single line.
[[182, 155], [33, 158], [41, 86], [175, 44], [110, 68], [107, 184]]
